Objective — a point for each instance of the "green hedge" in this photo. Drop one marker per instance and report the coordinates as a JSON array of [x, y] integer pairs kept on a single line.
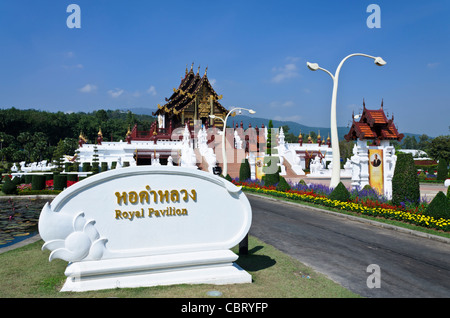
[[439, 207], [340, 193], [72, 177], [38, 182], [60, 182], [244, 171], [405, 182], [9, 187]]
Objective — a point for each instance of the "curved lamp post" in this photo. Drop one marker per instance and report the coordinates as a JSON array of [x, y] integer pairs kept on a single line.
[[251, 111], [335, 173]]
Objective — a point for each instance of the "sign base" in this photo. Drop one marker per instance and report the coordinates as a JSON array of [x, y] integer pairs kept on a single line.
[[206, 267]]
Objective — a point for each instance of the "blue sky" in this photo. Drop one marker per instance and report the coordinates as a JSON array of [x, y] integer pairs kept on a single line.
[[131, 54]]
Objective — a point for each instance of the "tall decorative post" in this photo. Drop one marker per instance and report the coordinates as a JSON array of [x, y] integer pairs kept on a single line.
[[335, 174]]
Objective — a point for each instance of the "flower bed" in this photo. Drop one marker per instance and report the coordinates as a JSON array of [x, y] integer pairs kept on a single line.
[[358, 204], [25, 188]]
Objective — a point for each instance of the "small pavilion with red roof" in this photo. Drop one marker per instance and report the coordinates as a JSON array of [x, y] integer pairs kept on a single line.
[[373, 160]]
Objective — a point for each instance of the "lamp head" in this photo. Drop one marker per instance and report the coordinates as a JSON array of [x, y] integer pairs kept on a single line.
[[312, 66], [251, 111], [379, 61]]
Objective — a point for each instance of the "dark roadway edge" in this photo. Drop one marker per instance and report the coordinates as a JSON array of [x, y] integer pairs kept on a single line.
[[358, 219], [342, 215]]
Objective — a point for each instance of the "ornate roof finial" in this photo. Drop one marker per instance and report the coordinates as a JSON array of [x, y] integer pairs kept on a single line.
[[382, 103], [206, 70], [198, 70], [186, 70], [364, 103], [192, 66]]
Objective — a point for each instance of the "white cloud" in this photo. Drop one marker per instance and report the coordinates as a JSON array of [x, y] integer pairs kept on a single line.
[[212, 81], [88, 88], [115, 93], [151, 90], [294, 118], [433, 65], [277, 104], [292, 59], [73, 67], [282, 73]]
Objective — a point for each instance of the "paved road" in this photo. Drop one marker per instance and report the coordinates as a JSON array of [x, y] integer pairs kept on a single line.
[[341, 248]]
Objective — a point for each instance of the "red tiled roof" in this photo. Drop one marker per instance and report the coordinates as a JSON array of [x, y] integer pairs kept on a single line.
[[373, 125]]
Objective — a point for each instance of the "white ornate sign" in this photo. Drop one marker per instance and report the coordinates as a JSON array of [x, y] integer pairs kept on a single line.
[[145, 226]]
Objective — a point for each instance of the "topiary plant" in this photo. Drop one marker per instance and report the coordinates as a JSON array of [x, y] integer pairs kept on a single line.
[[8, 186], [439, 207], [60, 182], [244, 171], [340, 193], [38, 182], [442, 170], [405, 183], [283, 185], [422, 175]]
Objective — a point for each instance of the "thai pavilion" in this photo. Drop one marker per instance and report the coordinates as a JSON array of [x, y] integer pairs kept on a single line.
[[185, 134], [374, 159]]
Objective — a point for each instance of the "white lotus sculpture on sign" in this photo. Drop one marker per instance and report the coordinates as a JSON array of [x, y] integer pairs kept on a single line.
[[146, 226]]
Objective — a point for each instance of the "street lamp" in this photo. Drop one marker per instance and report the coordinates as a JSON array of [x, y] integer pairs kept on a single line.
[[335, 173], [251, 111]]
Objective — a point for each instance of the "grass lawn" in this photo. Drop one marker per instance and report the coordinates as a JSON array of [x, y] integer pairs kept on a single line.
[[26, 273]]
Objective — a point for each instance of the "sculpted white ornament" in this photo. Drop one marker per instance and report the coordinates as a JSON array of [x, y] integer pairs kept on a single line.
[[132, 222]]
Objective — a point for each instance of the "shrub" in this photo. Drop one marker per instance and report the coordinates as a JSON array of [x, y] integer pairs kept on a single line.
[[442, 170], [38, 182], [340, 193], [104, 166], [95, 167], [439, 207], [283, 185], [8, 186], [271, 171], [72, 177], [422, 175], [405, 183], [18, 180], [60, 182], [86, 167], [244, 171], [28, 178]]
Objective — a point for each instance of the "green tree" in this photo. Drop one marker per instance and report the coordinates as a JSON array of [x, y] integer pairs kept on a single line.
[[424, 142], [270, 168], [58, 155], [410, 142], [439, 207], [288, 136], [439, 148], [8, 186], [244, 171], [442, 170], [340, 193], [405, 183]]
